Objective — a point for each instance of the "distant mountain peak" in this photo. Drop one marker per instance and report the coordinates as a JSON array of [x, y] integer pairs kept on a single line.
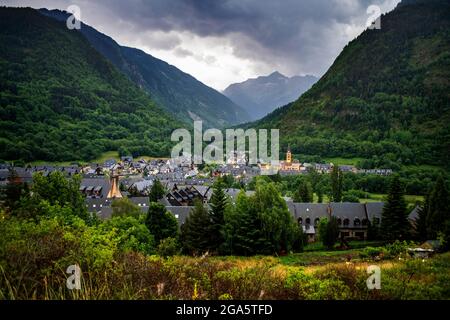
[[260, 96], [276, 74]]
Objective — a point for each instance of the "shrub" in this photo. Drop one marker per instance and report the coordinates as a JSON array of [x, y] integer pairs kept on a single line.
[[398, 247], [168, 247], [373, 253]]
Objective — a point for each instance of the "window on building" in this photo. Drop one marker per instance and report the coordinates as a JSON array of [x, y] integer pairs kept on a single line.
[[356, 222], [365, 222], [300, 221], [346, 222], [308, 221], [316, 221], [339, 221]]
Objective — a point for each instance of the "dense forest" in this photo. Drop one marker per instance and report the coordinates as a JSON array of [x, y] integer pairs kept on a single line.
[[61, 100], [386, 97]]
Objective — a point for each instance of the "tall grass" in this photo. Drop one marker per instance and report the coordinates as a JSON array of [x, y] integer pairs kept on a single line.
[[134, 276]]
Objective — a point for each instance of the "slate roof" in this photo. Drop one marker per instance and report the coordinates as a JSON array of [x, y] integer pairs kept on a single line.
[[95, 205], [345, 210], [180, 213], [414, 214], [202, 189], [309, 229], [233, 193], [348, 210], [105, 213], [374, 210], [141, 202], [143, 184], [313, 211], [97, 182]]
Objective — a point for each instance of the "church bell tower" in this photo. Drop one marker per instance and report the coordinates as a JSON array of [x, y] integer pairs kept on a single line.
[[289, 156]]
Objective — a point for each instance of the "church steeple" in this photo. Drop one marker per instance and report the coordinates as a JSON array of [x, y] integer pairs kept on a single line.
[[114, 192], [289, 156]]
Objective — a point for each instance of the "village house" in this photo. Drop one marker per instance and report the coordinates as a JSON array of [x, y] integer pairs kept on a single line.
[[183, 196], [352, 218]]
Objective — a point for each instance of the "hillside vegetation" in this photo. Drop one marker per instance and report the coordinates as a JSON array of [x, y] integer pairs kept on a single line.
[[61, 100], [386, 97]]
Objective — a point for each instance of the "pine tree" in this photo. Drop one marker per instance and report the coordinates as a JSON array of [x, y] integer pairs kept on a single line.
[[157, 191], [304, 192], [438, 208], [329, 232], [336, 184], [243, 228], [319, 195], [218, 204], [161, 223], [195, 237], [373, 230], [394, 222]]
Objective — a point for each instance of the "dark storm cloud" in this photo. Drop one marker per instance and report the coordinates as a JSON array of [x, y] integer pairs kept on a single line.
[[292, 36], [306, 34]]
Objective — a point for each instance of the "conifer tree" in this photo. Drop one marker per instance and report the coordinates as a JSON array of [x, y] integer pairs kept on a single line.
[[218, 204], [329, 232], [438, 208], [161, 223], [319, 195], [157, 191], [304, 192], [336, 184], [195, 237], [394, 222], [243, 233]]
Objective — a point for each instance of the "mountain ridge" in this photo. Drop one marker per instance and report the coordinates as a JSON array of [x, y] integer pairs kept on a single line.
[[178, 92], [385, 98]]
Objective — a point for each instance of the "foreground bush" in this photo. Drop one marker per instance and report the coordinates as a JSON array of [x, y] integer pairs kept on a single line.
[[35, 256]]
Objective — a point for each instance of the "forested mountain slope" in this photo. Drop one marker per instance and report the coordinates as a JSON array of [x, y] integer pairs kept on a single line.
[[62, 100], [385, 98]]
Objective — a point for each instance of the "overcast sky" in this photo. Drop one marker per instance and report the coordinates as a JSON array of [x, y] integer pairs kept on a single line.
[[223, 42]]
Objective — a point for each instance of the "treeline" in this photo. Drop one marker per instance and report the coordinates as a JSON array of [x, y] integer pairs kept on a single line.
[[353, 186]]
